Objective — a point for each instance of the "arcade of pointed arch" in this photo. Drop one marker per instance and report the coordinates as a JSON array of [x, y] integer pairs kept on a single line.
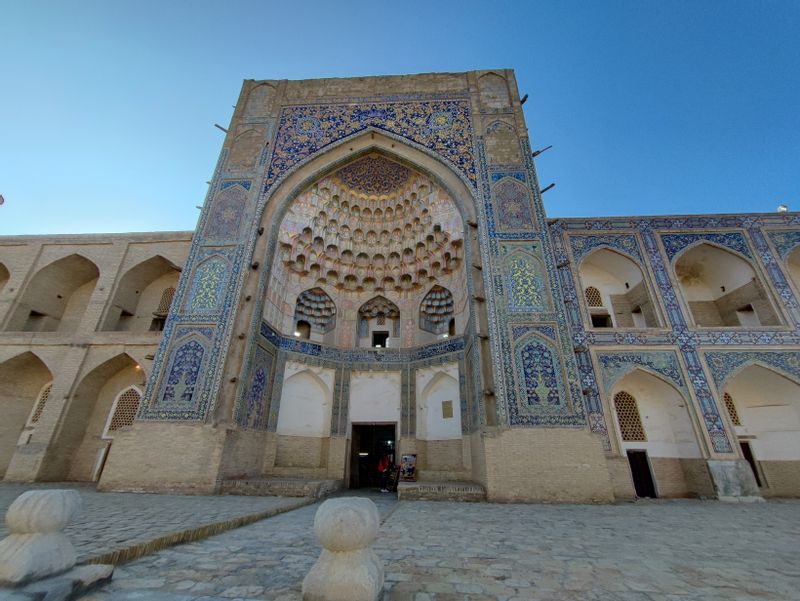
[[372, 228]]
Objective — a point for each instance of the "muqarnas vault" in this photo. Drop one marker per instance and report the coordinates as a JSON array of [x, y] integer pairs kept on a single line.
[[373, 273]]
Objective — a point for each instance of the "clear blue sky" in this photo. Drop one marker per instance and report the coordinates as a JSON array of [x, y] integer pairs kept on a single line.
[[106, 108]]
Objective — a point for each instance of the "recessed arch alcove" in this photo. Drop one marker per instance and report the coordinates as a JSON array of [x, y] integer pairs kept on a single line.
[[721, 288], [616, 292], [656, 430], [766, 405], [385, 219], [372, 223]]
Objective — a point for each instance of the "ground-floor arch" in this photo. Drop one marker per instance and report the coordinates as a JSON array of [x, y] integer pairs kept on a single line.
[[656, 434], [764, 408], [84, 435], [24, 381]]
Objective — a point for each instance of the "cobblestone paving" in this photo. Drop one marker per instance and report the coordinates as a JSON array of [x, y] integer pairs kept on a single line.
[[653, 551], [113, 521]]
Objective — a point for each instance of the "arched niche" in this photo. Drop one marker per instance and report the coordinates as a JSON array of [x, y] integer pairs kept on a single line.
[[314, 315], [143, 296], [669, 438], [79, 448], [722, 289], [437, 314], [616, 292], [55, 298], [4, 276], [304, 417], [379, 323], [23, 379], [438, 407], [372, 224], [767, 405]]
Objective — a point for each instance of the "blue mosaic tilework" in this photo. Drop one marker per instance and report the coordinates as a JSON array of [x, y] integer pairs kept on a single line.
[[208, 284], [615, 365], [453, 344], [227, 209], [525, 283], [724, 364], [785, 241], [681, 334], [252, 410], [180, 397], [625, 243], [675, 243], [518, 331], [542, 378], [374, 175], [443, 126], [775, 270], [512, 206]]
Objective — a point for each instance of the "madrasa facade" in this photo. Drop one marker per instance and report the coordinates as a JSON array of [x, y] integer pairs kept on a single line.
[[373, 273]]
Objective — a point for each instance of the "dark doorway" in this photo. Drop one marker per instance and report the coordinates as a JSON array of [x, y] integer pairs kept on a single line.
[[368, 443], [642, 477], [748, 455], [379, 339]]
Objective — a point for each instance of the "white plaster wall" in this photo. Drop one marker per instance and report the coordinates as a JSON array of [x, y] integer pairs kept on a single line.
[[435, 385], [375, 396], [665, 417], [306, 401], [714, 268], [769, 409]]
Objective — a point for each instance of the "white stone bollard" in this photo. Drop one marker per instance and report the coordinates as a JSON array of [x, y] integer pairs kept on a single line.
[[37, 547], [347, 568]]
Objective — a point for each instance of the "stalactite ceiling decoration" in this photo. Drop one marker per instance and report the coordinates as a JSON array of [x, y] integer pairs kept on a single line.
[[373, 225]]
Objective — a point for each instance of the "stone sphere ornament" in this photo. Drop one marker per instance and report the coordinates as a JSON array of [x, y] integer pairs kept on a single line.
[[347, 568], [37, 547]]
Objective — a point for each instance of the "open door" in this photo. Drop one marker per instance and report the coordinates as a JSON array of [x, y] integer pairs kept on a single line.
[[368, 443], [642, 476]]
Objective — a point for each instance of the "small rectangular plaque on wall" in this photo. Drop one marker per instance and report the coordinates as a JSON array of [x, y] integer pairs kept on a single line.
[[447, 409]]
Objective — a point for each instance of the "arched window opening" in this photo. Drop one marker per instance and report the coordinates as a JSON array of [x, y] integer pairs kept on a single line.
[[41, 402], [379, 323], [161, 312], [451, 326], [302, 330], [314, 314], [630, 422], [593, 297], [616, 292], [731, 407], [436, 311], [123, 411], [722, 289]]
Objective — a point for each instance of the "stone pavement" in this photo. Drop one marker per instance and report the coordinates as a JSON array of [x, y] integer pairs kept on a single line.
[[647, 551], [114, 526]]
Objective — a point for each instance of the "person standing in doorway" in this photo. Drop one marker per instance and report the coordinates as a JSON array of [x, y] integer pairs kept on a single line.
[[384, 465]]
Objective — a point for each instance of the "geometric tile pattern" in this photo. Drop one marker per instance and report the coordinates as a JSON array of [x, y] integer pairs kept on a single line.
[[226, 213], [785, 241], [625, 243], [512, 205], [675, 243], [615, 365], [724, 364], [676, 233], [442, 126]]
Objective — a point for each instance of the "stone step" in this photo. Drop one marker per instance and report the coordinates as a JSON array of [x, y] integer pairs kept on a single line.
[[441, 491], [280, 487]]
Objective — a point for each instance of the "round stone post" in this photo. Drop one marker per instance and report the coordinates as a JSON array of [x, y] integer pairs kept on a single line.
[[37, 547], [347, 568]]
